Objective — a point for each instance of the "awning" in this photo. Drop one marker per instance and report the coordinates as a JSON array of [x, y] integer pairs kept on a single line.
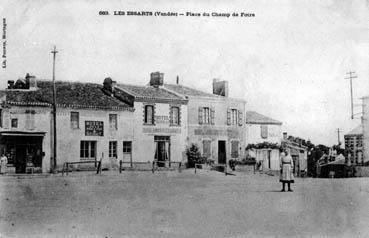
[[21, 133]]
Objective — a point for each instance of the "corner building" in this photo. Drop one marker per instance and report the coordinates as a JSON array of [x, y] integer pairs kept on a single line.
[[160, 120]]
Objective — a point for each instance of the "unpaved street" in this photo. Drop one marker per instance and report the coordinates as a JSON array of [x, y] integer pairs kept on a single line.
[[172, 204]]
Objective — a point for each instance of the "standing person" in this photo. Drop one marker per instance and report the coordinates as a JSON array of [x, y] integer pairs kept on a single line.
[[3, 164], [286, 171]]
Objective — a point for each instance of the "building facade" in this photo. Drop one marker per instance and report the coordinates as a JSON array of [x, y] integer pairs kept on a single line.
[[160, 120], [90, 125], [264, 139], [354, 145], [216, 122]]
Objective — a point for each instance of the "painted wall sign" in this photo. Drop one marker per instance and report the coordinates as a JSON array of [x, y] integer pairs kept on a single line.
[[162, 130], [94, 128], [217, 132], [161, 119]]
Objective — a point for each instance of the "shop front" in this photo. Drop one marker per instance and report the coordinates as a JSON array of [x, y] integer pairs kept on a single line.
[[23, 150]]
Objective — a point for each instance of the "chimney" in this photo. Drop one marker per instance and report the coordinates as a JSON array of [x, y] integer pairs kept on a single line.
[[220, 87], [177, 80], [10, 84], [156, 79], [108, 84], [31, 81], [284, 135]]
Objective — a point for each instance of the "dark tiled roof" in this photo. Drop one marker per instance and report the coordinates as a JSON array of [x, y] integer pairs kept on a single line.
[[357, 131], [189, 91], [253, 117], [68, 94], [150, 93]]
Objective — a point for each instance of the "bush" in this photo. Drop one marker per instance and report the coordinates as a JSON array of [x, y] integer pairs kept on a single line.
[[194, 156]]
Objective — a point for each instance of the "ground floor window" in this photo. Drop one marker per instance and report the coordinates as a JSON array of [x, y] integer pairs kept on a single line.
[[88, 150], [234, 149], [113, 149], [127, 146], [206, 148]]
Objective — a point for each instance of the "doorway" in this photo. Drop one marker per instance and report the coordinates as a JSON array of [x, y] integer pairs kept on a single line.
[[162, 151], [222, 158]]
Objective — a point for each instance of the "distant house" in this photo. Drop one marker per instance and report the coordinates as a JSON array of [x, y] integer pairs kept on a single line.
[[354, 144], [264, 139]]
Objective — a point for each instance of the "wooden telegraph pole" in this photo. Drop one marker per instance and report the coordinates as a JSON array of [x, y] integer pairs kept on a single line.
[[351, 75], [54, 113]]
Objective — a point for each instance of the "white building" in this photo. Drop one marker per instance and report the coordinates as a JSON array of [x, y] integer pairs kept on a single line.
[[263, 135]]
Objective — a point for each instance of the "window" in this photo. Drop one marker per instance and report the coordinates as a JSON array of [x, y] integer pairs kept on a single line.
[[113, 149], [234, 116], [14, 122], [234, 149], [149, 114], [74, 120], [1, 117], [113, 123], [206, 148], [30, 119], [88, 149], [264, 131], [127, 146], [174, 116], [206, 115]]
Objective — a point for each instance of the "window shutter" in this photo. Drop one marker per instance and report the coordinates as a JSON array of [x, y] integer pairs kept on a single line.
[[240, 118], [171, 116], [228, 116], [212, 115], [200, 115]]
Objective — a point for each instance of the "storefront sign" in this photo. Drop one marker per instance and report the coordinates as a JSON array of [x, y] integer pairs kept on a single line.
[[162, 130], [94, 128]]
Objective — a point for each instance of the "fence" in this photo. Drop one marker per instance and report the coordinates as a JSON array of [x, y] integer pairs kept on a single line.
[[65, 168]]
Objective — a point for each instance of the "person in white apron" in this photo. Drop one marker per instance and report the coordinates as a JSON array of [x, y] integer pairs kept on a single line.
[[286, 171], [3, 164]]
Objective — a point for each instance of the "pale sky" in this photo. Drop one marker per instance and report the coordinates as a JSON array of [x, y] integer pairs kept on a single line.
[[288, 62]]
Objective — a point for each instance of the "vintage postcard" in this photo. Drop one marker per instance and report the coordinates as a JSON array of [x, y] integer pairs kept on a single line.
[[183, 118]]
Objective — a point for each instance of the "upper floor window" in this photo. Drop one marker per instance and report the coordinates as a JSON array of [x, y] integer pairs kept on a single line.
[[174, 116], [234, 117], [30, 119], [206, 115], [14, 122], [264, 131], [113, 121], [149, 114], [74, 120]]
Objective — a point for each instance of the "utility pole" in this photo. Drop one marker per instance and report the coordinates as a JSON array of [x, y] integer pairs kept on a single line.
[[54, 113], [351, 76]]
